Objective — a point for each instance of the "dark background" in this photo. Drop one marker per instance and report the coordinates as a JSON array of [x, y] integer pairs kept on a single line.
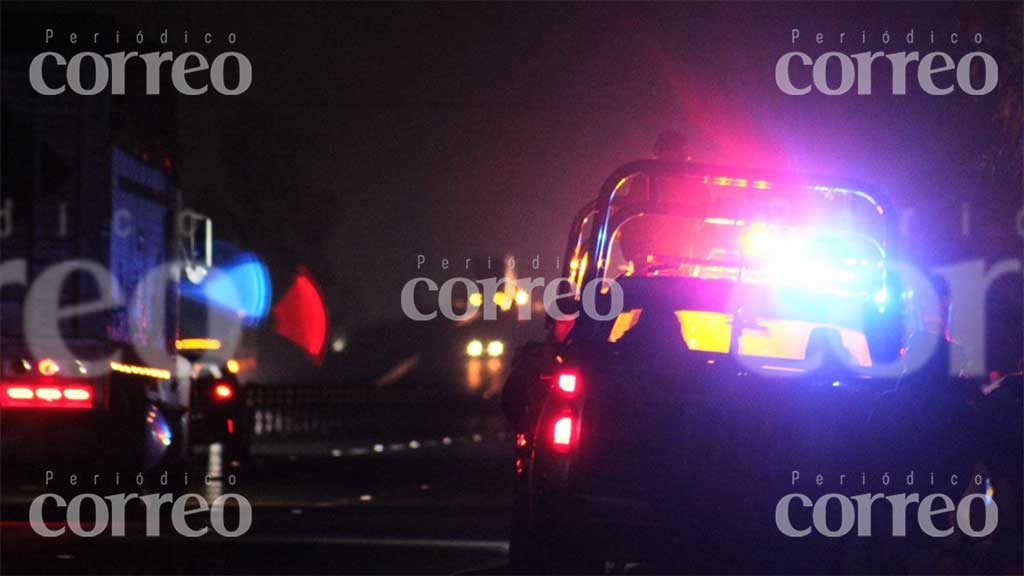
[[374, 133]]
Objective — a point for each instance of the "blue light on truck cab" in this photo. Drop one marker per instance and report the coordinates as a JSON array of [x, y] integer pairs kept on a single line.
[[243, 285]]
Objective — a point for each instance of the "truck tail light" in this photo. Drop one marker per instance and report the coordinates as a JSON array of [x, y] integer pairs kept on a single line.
[[223, 391], [19, 393], [49, 394], [563, 433], [74, 396], [78, 394], [567, 383]]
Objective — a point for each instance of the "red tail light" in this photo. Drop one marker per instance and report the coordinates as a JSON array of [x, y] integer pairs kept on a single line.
[[567, 383], [78, 394], [562, 433], [73, 396], [49, 394], [223, 391], [19, 393]]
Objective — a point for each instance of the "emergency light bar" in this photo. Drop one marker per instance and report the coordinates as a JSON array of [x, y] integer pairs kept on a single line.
[[750, 185]]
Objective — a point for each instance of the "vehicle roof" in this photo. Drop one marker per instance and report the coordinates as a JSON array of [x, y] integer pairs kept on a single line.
[[742, 177], [751, 179]]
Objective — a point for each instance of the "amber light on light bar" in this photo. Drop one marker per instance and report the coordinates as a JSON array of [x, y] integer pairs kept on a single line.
[[148, 371], [197, 344]]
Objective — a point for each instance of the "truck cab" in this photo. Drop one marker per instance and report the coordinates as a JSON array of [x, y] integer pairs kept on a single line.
[[95, 243]]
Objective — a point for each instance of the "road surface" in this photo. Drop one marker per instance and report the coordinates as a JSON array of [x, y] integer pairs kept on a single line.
[[437, 506]]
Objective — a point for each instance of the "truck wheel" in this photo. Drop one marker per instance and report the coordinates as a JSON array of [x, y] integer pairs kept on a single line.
[[177, 461], [542, 551], [549, 545], [141, 437], [124, 431], [524, 552]]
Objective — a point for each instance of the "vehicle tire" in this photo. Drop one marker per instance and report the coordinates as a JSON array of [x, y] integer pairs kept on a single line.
[[134, 434], [177, 461], [543, 552], [549, 544], [125, 429], [524, 555]]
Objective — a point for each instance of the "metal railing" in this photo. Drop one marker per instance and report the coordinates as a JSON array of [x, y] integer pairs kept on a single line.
[[315, 411]]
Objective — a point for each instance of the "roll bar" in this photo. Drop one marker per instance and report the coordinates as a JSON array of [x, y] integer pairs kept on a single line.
[[653, 167]]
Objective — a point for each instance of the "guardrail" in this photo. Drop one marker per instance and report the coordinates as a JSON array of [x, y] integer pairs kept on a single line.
[[312, 411]]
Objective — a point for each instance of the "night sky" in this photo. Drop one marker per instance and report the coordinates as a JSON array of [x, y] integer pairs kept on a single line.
[[373, 133]]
